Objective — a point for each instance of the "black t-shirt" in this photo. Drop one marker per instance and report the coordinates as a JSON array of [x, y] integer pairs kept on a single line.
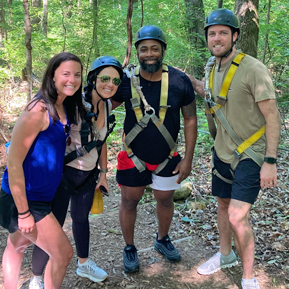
[[149, 145]]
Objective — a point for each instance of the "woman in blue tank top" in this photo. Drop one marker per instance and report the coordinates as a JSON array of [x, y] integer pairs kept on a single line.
[[34, 170], [81, 172]]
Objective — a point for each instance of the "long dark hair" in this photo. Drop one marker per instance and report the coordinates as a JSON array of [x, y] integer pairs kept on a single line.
[[90, 79], [48, 92]]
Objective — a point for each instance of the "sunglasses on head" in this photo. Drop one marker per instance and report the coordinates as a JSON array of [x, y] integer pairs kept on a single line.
[[106, 78]]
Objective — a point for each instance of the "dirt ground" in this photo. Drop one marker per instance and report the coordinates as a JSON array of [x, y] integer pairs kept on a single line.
[[193, 230], [155, 273]]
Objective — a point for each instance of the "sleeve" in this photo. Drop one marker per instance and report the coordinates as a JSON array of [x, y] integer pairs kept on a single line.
[[260, 82], [189, 94]]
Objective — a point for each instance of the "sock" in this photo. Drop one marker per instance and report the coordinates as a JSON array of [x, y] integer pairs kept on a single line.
[[79, 264], [227, 255], [249, 281]]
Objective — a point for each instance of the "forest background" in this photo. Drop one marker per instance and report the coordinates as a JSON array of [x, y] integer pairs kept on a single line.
[[33, 31], [101, 27]]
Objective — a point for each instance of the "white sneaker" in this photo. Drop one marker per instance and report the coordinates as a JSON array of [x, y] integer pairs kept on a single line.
[[252, 285], [217, 262], [36, 282], [91, 271]]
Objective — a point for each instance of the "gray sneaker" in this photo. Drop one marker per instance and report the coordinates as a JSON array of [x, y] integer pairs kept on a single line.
[[36, 282], [91, 271], [252, 285], [217, 262]]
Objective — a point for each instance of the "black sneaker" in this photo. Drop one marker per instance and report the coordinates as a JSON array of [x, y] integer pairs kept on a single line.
[[130, 259], [166, 248]]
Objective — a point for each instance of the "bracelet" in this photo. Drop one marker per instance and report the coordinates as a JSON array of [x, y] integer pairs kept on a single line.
[[25, 217], [103, 171], [23, 213]]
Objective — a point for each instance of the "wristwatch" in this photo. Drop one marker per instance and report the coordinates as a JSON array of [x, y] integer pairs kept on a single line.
[[270, 160]]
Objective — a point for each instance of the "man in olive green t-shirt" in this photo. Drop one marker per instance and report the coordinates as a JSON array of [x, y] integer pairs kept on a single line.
[[249, 106]]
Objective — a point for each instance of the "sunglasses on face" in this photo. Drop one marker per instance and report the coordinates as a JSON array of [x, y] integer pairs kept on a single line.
[[106, 78]]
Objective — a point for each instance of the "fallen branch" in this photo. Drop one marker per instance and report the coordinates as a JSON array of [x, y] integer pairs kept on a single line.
[[3, 135]]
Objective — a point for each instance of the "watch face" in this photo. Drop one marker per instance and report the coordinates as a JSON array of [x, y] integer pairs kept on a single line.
[[270, 160]]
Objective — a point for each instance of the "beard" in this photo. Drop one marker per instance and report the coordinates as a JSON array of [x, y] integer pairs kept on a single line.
[[222, 54], [151, 68]]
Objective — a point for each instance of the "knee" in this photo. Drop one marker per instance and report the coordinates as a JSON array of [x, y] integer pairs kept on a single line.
[[128, 204], [165, 202], [63, 257], [236, 219], [223, 204]]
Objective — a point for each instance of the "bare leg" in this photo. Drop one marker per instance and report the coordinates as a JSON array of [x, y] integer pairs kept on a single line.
[[12, 258], [224, 226], [165, 211], [50, 237], [130, 197], [243, 234]]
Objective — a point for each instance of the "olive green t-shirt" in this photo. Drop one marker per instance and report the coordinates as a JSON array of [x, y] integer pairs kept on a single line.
[[251, 83]]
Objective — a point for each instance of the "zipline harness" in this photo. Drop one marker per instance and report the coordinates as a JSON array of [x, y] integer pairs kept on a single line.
[[213, 110], [88, 127], [149, 114]]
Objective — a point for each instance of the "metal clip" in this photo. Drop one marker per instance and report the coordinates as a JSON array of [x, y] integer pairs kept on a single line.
[[151, 111], [142, 124], [80, 152], [237, 154]]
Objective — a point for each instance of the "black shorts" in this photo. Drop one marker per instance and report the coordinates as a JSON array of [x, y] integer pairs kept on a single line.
[[128, 175], [246, 181], [9, 212]]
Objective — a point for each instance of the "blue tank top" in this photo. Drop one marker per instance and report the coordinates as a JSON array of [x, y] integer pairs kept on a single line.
[[43, 164]]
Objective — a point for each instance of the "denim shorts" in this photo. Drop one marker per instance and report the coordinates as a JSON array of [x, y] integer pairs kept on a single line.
[[9, 212], [246, 180]]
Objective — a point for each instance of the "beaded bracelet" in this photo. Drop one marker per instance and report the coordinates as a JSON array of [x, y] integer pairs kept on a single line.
[[24, 213], [103, 171], [24, 217]]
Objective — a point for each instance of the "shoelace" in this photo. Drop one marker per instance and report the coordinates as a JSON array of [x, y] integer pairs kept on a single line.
[[167, 243], [130, 254], [91, 266]]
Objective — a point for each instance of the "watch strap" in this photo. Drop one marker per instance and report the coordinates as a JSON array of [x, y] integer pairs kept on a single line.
[[270, 160]]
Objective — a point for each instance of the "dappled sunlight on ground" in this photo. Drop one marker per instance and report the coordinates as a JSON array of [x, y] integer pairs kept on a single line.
[[191, 276], [155, 269]]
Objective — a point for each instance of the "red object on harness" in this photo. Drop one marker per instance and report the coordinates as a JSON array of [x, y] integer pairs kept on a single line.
[[125, 163]]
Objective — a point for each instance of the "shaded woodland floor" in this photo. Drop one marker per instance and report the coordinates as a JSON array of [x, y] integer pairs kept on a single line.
[[194, 231]]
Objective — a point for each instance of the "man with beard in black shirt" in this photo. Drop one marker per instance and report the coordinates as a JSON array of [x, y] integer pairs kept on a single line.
[[151, 127]]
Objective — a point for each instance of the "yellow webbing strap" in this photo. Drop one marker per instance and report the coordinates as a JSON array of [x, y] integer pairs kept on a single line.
[[163, 98], [229, 76], [136, 99], [222, 97], [164, 93], [251, 140], [245, 145]]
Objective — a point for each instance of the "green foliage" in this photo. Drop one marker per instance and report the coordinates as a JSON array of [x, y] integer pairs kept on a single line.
[[70, 28]]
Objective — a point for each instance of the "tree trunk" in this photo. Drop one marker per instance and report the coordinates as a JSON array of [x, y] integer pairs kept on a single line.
[[27, 27], [94, 45], [36, 3], [129, 33], [195, 27], [267, 32], [220, 3], [10, 19], [3, 28], [45, 17], [247, 12], [142, 15]]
